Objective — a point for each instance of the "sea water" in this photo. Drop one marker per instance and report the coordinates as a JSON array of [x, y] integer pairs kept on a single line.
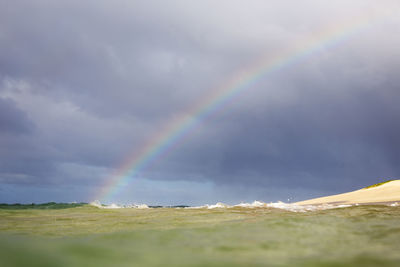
[[246, 234]]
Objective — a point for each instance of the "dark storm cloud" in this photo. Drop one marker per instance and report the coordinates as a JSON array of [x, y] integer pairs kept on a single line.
[[85, 84], [15, 129], [12, 119], [105, 55], [336, 128]]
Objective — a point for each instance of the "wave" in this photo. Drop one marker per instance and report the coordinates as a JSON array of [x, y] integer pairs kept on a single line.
[[276, 205], [41, 206], [97, 204], [219, 205], [256, 204]]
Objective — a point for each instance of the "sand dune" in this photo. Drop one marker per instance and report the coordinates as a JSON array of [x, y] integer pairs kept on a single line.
[[388, 192]]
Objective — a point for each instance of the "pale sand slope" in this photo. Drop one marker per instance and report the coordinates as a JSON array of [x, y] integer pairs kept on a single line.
[[388, 192]]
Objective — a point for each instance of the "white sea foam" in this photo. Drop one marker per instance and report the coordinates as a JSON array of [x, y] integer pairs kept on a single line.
[[97, 204], [304, 208], [275, 205], [218, 205], [255, 204]]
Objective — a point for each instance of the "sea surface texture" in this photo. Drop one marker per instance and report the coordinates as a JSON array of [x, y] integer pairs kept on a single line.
[[256, 234]]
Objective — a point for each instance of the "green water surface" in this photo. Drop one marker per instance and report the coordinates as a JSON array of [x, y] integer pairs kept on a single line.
[[82, 235]]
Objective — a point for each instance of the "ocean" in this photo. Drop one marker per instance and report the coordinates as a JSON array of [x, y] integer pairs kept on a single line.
[[255, 234]]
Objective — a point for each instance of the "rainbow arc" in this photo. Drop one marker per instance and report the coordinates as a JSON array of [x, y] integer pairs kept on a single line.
[[217, 98]]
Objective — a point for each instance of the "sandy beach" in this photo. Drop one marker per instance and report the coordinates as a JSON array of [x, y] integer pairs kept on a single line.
[[385, 193]]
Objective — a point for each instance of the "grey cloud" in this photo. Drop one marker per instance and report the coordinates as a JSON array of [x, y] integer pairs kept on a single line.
[[334, 128], [12, 119]]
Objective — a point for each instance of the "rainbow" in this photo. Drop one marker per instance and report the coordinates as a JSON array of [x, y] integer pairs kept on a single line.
[[179, 128]]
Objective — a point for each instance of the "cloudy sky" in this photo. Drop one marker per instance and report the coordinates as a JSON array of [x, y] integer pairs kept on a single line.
[[85, 84]]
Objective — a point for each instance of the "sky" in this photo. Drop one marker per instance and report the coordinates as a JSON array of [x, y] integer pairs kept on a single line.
[[85, 84]]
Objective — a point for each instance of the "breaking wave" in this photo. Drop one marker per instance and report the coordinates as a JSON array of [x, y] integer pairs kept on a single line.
[[97, 204], [276, 205], [256, 204]]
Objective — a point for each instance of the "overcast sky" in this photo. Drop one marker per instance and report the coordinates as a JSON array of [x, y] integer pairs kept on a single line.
[[84, 84]]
